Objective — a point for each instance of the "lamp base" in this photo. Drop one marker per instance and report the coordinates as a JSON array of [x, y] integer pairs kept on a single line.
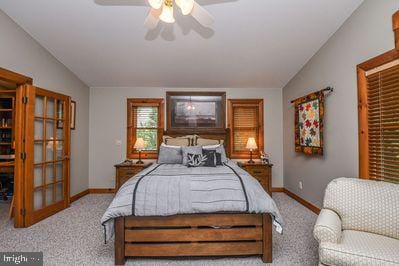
[[140, 162], [250, 160]]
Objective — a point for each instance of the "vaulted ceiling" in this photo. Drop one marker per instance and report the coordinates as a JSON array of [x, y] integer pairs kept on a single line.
[[253, 43]]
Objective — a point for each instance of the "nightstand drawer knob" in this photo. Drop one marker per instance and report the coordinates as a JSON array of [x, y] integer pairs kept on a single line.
[[258, 172]]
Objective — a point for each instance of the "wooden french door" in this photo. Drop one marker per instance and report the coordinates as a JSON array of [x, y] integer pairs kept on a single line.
[[45, 159]]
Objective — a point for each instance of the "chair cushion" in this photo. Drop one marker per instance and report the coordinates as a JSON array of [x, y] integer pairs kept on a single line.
[[360, 248], [365, 205]]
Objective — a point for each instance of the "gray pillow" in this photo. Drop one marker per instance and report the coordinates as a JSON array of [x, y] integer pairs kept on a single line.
[[219, 149], [192, 150], [170, 155]]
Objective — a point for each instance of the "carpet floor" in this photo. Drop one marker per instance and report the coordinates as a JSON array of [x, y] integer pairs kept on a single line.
[[75, 237]]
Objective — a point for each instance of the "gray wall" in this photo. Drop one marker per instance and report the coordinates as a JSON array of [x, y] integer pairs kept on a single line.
[[108, 124], [19, 52], [366, 34]]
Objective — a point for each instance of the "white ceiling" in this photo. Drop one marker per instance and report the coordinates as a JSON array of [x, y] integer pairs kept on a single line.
[[253, 43]]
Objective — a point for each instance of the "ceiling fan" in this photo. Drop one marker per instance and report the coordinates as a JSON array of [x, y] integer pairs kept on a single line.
[[163, 10]]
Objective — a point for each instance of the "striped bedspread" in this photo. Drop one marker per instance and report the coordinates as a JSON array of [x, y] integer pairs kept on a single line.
[[170, 189]]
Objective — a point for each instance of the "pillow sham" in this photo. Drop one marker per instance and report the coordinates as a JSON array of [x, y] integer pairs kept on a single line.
[[170, 154], [192, 150], [179, 141], [205, 142], [219, 149]]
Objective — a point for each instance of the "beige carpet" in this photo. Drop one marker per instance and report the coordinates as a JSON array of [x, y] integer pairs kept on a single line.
[[75, 237]]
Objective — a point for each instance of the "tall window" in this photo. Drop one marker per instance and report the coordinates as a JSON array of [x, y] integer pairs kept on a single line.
[[144, 120], [383, 123], [245, 121]]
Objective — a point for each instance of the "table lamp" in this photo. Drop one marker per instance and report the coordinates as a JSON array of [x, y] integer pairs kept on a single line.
[[251, 145], [139, 145]]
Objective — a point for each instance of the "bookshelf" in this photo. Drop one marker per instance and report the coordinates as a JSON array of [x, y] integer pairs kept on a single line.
[[7, 144]]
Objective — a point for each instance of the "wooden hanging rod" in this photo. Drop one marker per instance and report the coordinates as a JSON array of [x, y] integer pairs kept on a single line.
[[329, 89]]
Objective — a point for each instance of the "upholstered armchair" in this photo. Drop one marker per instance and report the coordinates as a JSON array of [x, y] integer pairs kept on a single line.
[[359, 223]]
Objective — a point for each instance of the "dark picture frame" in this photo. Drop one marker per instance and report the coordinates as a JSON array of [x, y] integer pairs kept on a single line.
[[195, 111]]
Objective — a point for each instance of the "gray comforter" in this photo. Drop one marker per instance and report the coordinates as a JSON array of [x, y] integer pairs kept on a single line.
[[170, 189]]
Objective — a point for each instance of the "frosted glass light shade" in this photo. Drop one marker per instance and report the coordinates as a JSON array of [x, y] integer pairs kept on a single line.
[[156, 4], [251, 144], [186, 6], [139, 145], [167, 14]]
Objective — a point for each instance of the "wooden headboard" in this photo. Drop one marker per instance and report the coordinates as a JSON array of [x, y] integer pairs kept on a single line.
[[211, 134]]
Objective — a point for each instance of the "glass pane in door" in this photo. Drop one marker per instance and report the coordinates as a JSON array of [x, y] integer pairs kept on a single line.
[[38, 199], [59, 193]]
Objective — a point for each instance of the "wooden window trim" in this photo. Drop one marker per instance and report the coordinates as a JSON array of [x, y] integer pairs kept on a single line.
[[260, 137], [131, 138], [362, 68]]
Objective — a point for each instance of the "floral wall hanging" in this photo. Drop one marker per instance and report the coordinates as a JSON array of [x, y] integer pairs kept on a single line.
[[309, 115]]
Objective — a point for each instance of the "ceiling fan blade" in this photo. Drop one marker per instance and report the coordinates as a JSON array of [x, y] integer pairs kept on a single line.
[[152, 20], [202, 15]]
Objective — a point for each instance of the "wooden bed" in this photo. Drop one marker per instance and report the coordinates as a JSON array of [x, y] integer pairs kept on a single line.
[[214, 234]]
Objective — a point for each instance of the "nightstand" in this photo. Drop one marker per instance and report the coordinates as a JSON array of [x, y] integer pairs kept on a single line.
[[126, 170], [262, 172]]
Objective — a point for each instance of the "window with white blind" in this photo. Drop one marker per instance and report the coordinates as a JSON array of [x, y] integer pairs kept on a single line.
[[383, 124], [145, 120], [245, 121]]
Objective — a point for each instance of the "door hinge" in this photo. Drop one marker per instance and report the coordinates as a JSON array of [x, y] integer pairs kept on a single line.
[[23, 212], [23, 156], [24, 100]]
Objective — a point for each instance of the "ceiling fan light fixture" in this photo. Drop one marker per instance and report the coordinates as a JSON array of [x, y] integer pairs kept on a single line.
[[186, 6], [167, 12], [156, 4]]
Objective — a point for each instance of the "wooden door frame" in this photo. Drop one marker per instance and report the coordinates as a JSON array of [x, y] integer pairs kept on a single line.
[[362, 69], [13, 80]]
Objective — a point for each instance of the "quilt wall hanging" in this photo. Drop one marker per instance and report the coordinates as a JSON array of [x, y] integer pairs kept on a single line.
[[309, 123]]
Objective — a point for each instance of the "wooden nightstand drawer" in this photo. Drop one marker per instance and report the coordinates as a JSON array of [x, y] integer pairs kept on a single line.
[[125, 171], [262, 172], [129, 172]]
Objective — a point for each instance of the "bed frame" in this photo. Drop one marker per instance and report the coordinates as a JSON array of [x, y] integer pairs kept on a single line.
[[213, 234]]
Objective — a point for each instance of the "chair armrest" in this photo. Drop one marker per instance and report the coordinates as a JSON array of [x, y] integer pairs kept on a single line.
[[328, 227]]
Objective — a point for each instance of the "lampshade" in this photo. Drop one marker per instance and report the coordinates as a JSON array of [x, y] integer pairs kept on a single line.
[[186, 6], [167, 12], [156, 4], [251, 144], [139, 145]]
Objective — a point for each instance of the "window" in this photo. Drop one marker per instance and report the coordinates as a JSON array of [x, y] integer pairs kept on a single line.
[[144, 120], [378, 105], [245, 120], [383, 123]]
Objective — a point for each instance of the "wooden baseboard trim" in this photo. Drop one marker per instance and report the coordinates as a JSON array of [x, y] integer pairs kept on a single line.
[[277, 189], [305, 203], [79, 195], [101, 190]]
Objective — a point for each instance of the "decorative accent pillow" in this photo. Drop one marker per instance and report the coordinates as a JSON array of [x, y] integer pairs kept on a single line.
[[205, 142], [192, 150], [211, 160], [196, 160], [179, 141], [170, 154], [219, 150]]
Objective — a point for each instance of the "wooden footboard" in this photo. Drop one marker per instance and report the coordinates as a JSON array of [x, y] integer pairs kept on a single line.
[[193, 235]]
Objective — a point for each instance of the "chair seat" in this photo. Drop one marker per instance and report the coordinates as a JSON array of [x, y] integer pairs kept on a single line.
[[360, 248]]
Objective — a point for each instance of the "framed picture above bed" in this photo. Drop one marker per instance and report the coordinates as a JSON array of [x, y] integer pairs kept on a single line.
[[199, 111]]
